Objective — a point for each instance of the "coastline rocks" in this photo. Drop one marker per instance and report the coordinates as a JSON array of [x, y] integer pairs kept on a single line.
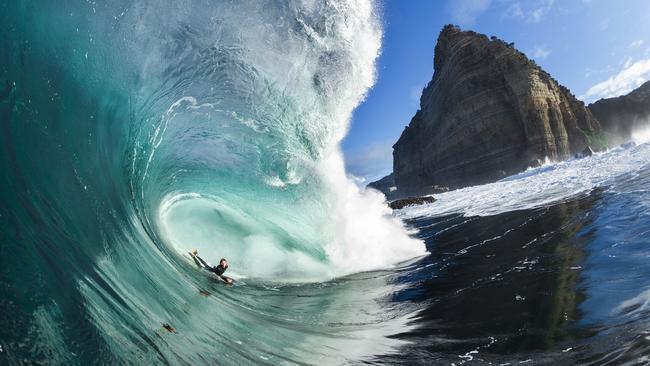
[[621, 116], [584, 153], [536, 163], [410, 201], [488, 112]]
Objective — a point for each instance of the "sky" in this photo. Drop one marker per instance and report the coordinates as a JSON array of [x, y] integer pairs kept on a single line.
[[596, 48]]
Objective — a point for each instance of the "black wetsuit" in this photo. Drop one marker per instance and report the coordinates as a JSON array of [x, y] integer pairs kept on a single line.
[[218, 270]]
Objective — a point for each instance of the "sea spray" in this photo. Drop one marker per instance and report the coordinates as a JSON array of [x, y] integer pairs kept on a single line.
[[256, 132]]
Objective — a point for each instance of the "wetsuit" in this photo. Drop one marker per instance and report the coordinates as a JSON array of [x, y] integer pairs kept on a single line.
[[218, 270]]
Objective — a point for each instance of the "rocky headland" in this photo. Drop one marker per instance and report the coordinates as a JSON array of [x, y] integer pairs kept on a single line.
[[621, 116], [488, 112]]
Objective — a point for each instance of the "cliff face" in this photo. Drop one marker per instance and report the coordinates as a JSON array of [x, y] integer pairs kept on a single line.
[[622, 115], [488, 112]]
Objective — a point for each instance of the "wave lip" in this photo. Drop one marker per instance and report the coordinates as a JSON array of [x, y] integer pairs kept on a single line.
[[251, 128]]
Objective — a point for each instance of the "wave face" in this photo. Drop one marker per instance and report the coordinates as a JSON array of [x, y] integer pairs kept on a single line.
[[136, 131], [237, 132]]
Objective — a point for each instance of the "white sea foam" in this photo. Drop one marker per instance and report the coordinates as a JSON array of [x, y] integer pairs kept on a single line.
[[537, 187]]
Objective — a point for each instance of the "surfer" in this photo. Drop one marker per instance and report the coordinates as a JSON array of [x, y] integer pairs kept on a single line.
[[218, 270]]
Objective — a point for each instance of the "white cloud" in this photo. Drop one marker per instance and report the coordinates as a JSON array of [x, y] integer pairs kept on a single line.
[[540, 12], [637, 43], [604, 24], [631, 77], [626, 62], [466, 12], [533, 12], [540, 52], [515, 11]]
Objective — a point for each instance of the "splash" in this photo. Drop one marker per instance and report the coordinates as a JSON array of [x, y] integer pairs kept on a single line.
[[641, 135], [244, 162]]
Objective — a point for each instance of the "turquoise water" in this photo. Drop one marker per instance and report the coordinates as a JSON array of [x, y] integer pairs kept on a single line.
[[136, 131]]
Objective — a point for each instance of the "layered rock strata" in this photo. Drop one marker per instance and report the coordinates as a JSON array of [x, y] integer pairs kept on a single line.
[[488, 112]]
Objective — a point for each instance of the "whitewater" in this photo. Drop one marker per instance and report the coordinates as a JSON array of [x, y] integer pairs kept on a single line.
[[134, 132]]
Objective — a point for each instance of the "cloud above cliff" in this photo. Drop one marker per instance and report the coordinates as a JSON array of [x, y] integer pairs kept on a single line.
[[540, 52], [632, 76], [529, 11], [637, 43], [465, 12]]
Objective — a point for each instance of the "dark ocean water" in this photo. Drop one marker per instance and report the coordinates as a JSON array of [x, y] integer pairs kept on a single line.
[[566, 283]]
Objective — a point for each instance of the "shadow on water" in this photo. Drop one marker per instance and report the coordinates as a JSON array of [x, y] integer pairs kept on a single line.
[[501, 285]]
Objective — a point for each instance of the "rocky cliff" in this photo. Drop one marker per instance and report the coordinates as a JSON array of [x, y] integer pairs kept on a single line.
[[623, 115], [488, 112]]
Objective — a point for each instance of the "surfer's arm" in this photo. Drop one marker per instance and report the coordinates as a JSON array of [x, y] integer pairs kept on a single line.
[[203, 263], [225, 279]]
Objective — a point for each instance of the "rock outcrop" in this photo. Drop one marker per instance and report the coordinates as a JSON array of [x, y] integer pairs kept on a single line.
[[588, 151], [621, 116], [488, 112], [411, 201]]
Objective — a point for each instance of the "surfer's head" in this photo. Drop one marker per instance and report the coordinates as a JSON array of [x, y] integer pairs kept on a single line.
[[223, 263]]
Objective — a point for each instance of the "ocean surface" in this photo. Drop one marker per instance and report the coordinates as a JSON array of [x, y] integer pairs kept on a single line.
[[135, 131]]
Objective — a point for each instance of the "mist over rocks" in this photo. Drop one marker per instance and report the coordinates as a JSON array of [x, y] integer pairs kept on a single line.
[[488, 112], [621, 116], [385, 185]]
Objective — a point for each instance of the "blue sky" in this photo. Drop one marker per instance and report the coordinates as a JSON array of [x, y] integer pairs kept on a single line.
[[596, 48]]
